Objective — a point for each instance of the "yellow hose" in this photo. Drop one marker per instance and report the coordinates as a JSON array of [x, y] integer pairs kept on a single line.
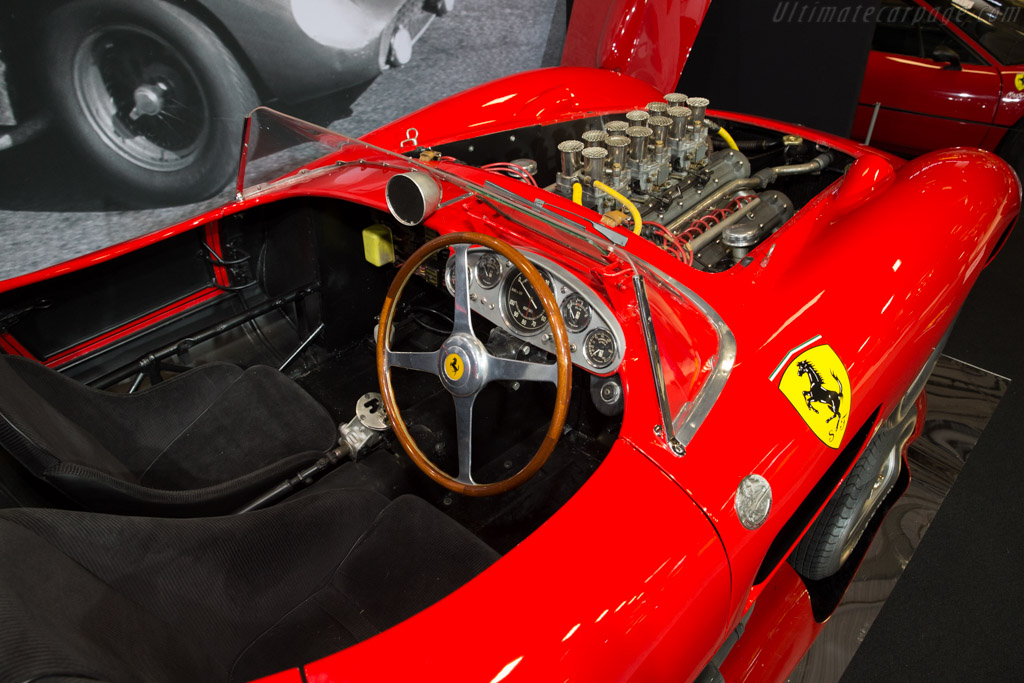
[[637, 221], [728, 138], [577, 193]]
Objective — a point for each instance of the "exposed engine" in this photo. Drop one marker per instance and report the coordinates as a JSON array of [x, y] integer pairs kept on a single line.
[[659, 165]]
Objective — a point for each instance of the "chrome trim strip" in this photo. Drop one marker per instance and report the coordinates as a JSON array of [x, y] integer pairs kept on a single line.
[[655, 358], [692, 415]]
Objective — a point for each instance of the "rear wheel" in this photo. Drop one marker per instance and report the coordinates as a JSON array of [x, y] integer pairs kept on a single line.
[[150, 95]]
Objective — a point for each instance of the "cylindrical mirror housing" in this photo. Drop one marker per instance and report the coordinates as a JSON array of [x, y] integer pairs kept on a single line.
[[412, 197]]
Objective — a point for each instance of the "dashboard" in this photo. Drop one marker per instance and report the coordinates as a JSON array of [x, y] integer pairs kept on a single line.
[[499, 292]]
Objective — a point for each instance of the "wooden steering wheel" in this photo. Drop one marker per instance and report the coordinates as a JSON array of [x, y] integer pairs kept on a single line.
[[465, 367]]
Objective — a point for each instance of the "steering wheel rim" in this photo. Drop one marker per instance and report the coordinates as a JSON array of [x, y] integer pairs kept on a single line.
[[478, 367]]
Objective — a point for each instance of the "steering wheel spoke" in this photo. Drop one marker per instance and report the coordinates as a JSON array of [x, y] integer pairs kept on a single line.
[[464, 431], [463, 313], [521, 370], [424, 361]]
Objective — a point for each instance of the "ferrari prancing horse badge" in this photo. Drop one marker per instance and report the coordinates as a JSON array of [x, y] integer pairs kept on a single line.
[[817, 385]]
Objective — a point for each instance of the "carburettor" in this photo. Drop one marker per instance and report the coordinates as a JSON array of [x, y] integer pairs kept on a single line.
[[645, 154]]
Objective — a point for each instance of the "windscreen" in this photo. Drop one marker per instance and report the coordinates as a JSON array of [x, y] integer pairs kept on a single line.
[[280, 151], [997, 26]]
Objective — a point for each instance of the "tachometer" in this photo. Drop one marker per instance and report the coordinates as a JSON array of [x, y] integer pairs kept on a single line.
[[576, 312], [599, 348], [522, 305]]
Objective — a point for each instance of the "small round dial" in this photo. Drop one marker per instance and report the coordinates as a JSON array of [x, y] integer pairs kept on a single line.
[[576, 312], [488, 271], [599, 348], [450, 276], [525, 311]]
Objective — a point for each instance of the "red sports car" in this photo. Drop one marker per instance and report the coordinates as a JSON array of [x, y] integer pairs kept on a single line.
[[611, 391], [945, 73]]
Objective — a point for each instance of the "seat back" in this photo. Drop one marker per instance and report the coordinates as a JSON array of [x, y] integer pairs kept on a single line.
[[203, 442], [38, 434]]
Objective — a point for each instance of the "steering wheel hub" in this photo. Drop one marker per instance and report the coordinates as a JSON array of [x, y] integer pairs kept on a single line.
[[463, 369], [149, 101]]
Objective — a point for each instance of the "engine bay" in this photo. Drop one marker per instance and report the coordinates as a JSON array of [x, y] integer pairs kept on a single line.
[[704, 194]]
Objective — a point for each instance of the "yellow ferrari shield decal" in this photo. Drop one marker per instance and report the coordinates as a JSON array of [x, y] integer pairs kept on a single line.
[[817, 385], [454, 367]]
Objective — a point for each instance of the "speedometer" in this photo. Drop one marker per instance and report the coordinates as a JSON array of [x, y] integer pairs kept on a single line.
[[522, 304]]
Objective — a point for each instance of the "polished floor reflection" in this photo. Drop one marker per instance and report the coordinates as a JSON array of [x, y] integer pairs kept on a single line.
[[961, 399]]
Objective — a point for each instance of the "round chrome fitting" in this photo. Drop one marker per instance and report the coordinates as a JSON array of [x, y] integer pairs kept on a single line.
[[613, 127], [753, 501], [528, 165]]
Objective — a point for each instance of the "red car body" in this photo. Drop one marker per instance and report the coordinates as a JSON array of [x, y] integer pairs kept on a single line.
[[927, 103], [645, 572]]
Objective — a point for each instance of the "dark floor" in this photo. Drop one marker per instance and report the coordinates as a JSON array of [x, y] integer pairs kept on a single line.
[[955, 613]]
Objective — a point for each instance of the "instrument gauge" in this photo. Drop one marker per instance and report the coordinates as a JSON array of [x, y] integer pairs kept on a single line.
[[599, 348], [450, 276], [576, 312], [488, 271], [522, 304]]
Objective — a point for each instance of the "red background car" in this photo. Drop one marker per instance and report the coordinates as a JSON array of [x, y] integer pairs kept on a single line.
[[946, 75]]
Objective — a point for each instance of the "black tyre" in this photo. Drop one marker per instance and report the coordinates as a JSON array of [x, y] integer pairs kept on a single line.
[[150, 95], [832, 538]]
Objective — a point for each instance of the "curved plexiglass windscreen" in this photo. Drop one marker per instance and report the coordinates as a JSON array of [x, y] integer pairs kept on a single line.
[[281, 152]]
